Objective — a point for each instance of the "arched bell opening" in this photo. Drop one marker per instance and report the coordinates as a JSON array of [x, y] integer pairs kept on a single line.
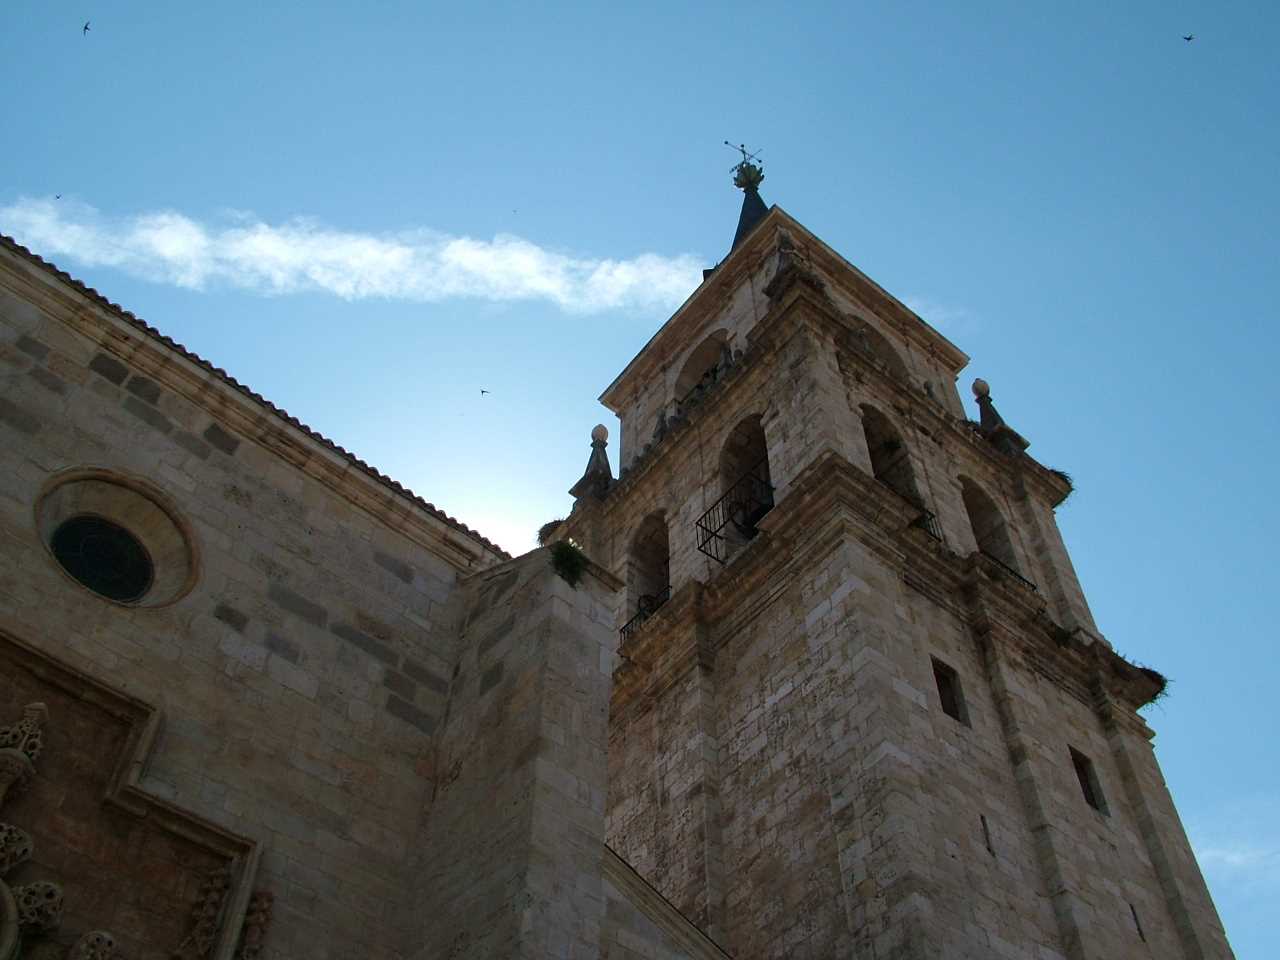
[[746, 492], [651, 564], [988, 523], [890, 458], [648, 570], [702, 370]]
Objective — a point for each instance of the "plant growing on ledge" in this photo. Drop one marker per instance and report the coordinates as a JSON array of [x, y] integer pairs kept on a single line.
[[568, 561]]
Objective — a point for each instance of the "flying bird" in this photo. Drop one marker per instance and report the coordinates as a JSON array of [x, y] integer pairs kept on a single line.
[[86, 27], [1189, 37], [483, 392], [57, 196]]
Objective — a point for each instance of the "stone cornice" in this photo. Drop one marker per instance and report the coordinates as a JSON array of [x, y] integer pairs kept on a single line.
[[92, 316], [901, 318], [688, 322], [828, 502]]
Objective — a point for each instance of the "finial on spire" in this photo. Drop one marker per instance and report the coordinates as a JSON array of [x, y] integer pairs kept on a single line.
[[598, 476], [747, 176], [748, 173]]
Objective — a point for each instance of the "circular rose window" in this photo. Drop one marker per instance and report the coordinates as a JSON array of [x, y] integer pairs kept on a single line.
[[117, 537]]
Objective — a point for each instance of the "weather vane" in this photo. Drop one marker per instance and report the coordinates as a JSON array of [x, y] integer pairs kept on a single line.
[[748, 172]]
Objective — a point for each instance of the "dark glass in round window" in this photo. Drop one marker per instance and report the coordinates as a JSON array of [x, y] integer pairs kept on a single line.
[[103, 556]]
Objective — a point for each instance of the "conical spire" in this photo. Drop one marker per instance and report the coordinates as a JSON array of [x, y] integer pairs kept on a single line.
[[747, 177]]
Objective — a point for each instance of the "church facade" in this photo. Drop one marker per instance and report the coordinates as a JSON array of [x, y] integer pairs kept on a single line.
[[811, 676]]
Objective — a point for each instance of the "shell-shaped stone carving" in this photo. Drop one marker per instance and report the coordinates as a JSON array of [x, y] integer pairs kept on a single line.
[[16, 847], [95, 945], [39, 904]]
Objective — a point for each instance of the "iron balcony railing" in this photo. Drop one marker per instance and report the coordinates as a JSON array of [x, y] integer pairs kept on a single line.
[[1009, 570], [648, 605], [736, 514], [928, 522]]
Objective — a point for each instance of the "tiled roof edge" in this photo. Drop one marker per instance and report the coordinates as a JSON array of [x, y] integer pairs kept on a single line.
[[231, 381]]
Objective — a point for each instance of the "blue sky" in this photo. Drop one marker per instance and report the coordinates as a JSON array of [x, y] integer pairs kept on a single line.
[[370, 212]]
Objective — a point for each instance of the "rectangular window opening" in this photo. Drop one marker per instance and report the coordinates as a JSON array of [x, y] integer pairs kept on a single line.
[[1088, 778], [949, 693], [1137, 923], [986, 834]]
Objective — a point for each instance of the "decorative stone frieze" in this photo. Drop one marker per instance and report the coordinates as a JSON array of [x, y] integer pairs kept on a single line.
[[20, 746], [205, 917], [256, 921], [34, 907]]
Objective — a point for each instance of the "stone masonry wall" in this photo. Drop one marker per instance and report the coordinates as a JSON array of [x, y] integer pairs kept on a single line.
[[509, 858], [304, 674]]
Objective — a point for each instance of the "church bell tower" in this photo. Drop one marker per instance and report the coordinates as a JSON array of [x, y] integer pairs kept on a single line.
[[860, 705]]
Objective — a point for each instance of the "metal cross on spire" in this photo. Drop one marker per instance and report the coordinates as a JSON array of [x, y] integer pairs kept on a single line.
[[749, 171]]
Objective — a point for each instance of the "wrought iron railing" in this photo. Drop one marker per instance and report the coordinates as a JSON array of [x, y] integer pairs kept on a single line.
[[928, 522], [1009, 570], [648, 605], [735, 515]]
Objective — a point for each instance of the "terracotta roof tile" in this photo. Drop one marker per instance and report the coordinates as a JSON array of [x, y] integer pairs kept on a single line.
[[134, 321]]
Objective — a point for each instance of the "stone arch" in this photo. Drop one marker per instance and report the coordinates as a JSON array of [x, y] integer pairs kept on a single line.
[[878, 346], [989, 527], [890, 458], [649, 564], [702, 368], [746, 484]]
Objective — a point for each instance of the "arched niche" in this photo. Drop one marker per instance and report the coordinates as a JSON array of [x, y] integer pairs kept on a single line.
[[890, 459], [988, 523], [702, 368], [649, 565]]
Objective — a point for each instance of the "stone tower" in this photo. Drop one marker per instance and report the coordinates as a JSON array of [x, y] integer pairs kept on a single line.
[[861, 707]]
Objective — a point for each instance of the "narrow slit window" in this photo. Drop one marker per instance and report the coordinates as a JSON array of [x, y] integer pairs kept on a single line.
[[986, 834], [1088, 778], [1137, 923], [949, 693]]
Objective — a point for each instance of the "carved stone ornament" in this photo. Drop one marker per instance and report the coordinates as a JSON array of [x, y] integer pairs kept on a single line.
[[39, 905], [205, 917], [20, 746], [95, 945], [256, 921], [16, 847]]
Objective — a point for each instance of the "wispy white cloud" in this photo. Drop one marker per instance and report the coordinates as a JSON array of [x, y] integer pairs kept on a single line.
[[939, 315], [1238, 846], [1237, 855], [304, 256]]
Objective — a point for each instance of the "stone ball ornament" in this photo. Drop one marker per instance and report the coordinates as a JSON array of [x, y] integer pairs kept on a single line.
[[600, 433], [981, 388]]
